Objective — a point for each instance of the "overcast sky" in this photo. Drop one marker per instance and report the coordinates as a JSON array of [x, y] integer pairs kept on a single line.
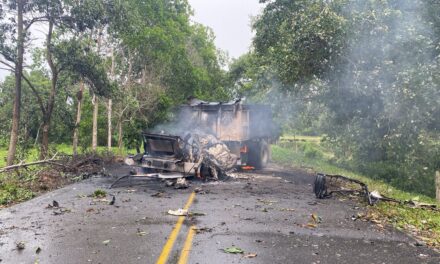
[[229, 19]]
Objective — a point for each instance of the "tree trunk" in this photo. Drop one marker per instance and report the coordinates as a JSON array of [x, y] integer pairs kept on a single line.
[[110, 105], [44, 138], [95, 102], [78, 119], [47, 115], [18, 75], [437, 185], [95, 123], [120, 136], [109, 117]]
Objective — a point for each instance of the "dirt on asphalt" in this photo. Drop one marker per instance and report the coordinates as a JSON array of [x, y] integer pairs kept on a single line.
[[271, 215]]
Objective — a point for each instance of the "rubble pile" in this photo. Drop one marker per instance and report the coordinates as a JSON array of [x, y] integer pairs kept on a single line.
[[206, 149]]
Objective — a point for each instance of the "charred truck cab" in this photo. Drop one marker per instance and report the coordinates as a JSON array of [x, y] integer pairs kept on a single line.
[[214, 134], [164, 153], [247, 130]]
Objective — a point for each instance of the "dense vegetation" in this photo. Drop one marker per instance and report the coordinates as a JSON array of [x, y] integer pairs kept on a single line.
[[104, 71], [363, 73]]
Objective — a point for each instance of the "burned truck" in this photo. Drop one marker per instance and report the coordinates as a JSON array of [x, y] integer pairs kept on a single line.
[[209, 138]]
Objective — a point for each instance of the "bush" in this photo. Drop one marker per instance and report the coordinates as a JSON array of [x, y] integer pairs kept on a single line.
[[10, 193], [311, 151]]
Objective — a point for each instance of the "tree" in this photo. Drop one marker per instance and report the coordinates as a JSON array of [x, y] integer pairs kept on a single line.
[[12, 53], [64, 16], [371, 67]]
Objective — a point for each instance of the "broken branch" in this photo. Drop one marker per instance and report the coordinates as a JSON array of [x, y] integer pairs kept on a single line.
[[39, 162]]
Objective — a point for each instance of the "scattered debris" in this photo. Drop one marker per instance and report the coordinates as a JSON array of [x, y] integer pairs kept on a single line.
[[61, 211], [181, 183], [250, 255], [54, 204], [317, 219], [141, 233], [178, 212], [311, 225], [192, 214], [268, 202], [233, 250], [314, 221], [325, 181], [199, 190], [20, 245], [112, 202], [158, 195], [321, 186], [202, 230]]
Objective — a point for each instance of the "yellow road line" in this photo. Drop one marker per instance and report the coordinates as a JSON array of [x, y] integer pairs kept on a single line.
[[174, 233], [187, 246]]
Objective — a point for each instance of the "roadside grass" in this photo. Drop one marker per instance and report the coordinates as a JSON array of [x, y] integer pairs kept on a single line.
[[15, 188], [314, 139], [424, 224]]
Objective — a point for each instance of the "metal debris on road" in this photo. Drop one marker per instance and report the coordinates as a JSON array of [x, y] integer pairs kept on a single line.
[[202, 230], [112, 202], [20, 245], [158, 194], [141, 233], [324, 182], [178, 212], [196, 214], [181, 183]]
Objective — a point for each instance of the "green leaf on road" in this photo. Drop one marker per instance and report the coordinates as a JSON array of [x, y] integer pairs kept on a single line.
[[233, 250]]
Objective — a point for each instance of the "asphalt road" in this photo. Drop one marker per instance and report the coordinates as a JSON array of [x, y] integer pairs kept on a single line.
[[263, 213]]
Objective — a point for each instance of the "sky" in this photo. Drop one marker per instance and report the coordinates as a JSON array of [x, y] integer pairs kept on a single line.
[[229, 19]]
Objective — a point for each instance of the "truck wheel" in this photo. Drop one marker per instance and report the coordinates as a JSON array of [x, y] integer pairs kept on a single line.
[[259, 155]]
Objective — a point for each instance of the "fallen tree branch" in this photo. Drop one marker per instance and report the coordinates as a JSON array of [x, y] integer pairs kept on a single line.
[[39, 162]]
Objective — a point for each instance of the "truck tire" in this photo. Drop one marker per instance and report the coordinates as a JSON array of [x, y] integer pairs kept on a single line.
[[259, 154]]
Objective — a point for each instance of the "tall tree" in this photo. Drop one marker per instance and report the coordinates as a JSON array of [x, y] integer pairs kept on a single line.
[[18, 74], [79, 100], [12, 52]]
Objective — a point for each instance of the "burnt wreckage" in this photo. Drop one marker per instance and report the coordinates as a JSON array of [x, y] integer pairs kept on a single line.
[[208, 139]]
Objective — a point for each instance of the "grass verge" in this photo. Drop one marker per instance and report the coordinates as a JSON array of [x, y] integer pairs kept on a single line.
[[421, 223]]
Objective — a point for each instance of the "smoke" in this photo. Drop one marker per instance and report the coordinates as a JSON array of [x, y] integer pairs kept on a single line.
[[384, 97], [228, 121]]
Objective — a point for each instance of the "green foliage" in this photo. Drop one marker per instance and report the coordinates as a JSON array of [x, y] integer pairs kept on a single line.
[[365, 73], [10, 192], [74, 57], [300, 40], [99, 193]]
